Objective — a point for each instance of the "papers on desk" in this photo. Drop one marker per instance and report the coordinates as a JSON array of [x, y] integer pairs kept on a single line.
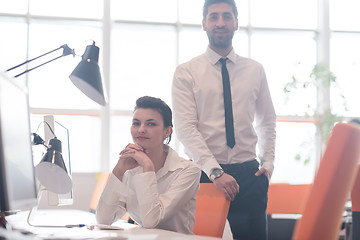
[[104, 227]]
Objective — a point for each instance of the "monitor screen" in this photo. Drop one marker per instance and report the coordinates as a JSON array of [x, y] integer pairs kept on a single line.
[[17, 179]]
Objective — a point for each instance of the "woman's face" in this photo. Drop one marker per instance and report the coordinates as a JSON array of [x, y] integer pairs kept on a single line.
[[148, 129]]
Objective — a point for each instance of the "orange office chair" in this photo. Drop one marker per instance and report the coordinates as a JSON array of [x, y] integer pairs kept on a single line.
[[286, 198], [285, 205], [322, 214], [102, 180], [211, 211], [355, 206]]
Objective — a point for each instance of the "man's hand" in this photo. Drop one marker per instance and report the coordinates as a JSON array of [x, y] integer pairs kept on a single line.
[[228, 185], [263, 171]]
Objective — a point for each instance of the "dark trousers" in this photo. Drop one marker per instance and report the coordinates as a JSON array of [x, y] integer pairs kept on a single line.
[[355, 228], [247, 213]]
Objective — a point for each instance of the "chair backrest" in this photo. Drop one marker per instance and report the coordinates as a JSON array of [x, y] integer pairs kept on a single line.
[[321, 218], [102, 180], [286, 198], [211, 211], [103, 177]]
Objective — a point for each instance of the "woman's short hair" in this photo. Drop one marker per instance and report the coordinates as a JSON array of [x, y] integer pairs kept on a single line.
[[158, 105]]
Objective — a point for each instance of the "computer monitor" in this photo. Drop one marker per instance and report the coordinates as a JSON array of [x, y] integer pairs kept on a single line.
[[17, 178]]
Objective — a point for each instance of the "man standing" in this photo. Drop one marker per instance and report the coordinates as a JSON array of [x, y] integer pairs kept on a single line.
[[223, 112]]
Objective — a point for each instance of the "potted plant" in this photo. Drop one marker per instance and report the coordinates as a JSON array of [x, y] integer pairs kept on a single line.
[[320, 79]]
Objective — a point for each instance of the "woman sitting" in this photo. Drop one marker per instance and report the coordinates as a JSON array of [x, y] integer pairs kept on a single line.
[[151, 182]]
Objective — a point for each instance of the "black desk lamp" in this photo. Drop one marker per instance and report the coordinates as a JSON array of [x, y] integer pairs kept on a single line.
[[86, 76], [51, 171]]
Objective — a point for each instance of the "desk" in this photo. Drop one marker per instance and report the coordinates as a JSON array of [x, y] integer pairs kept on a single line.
[[66, 217]]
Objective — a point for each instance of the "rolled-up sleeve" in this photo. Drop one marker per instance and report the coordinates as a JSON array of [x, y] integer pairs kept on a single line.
[[111, 204]]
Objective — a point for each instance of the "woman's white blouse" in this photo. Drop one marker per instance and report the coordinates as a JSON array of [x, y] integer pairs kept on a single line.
[[164, 200]]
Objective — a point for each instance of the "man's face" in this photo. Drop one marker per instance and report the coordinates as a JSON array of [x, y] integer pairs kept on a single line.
[[220, 25]]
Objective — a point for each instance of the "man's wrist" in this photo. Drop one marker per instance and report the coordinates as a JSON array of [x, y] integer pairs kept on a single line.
[[216, 173]]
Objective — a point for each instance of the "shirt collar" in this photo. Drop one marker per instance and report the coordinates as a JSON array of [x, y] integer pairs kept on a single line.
[[172, 163], [214, 56]]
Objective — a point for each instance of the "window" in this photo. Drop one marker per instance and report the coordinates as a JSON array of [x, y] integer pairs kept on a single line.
[[143, 59], [284, 14], [283, 55], [344, 15], [141, 43], [345, 64], [144, 10]]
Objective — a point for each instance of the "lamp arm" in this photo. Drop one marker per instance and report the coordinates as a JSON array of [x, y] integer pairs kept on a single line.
[[66, 51]]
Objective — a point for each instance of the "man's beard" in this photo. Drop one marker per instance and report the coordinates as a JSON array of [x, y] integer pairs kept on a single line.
[[223, 43]]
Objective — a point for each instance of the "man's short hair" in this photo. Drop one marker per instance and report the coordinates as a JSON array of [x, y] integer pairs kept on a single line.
[[211, 2]]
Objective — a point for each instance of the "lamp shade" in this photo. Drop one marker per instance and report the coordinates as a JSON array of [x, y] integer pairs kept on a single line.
[[51, 171], [86, 76]]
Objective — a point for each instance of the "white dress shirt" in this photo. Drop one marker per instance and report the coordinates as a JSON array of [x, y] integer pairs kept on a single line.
[[165, 200], [198, 107]]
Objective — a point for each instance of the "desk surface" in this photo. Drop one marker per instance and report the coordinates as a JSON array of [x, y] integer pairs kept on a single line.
[[67, 217]]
